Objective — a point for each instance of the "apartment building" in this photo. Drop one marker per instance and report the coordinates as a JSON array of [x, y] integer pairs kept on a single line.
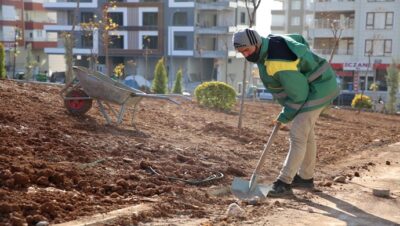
[[136, 42], [21, 25], [192, 35], [200, 40], [367, 30]]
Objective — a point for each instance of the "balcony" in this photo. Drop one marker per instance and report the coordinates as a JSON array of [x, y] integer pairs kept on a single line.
[[340, 55], [60, 28], [327, 23], [210, 53], [337, 51], [327, 33], [69, 4], [213, 30], [334, 5], [220, 5], [61, 50]]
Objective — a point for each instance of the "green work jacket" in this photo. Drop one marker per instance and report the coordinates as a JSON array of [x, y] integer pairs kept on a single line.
[[297, 78]]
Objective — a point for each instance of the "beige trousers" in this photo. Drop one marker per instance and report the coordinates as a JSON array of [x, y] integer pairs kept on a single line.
[[303, 149]]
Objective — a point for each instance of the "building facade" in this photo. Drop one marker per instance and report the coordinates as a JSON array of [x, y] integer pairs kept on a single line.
[[192, 35], [21, 26], [367, 32]]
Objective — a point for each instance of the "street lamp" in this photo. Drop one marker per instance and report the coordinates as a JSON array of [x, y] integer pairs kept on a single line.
[[17, 37], [146, 54]]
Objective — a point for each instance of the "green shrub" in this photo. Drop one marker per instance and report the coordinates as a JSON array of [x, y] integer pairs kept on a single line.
[[361, 101], [217, 95], [41, 77], [178, 83], [160, 78], [2, 62]]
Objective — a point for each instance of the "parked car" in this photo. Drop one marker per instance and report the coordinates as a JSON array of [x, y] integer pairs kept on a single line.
[[264, 94], [58, 77], [344, 99]]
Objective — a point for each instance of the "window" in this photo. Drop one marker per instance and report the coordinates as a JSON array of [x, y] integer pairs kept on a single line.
[[350, 46], [378, 47], [86, 17], [295, 21], [116, 42], [370, 21], [242, 18], [296, 5], [150, 18], [150, 42], [117, 18], [180, 19], [87, 41], [389, 21], [380, 0], [180, 42], [379, 20]]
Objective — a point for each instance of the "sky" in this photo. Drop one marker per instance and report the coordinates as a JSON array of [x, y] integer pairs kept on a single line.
[[264, 16]]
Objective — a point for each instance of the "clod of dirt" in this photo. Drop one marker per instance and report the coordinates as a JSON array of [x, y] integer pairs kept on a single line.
[[21, 179], [219, 191], [182, 158], [17, 220], [388, 163], [36, 219], [277, 203], [5, 174], [235, 172], [144, 165], [253, 202]]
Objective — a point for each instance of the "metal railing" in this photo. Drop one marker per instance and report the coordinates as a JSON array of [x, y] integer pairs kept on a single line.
[[335, 1], [337, 51], [327, 23]]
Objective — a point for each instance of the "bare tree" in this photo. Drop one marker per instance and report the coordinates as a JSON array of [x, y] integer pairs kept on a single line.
[[337, 29], [69, 38], [252, 17]]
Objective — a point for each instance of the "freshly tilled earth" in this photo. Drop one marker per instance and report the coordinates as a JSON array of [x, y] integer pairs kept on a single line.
[[57, 167]]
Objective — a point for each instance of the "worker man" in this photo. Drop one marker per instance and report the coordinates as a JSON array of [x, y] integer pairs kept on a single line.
[[304, 84]]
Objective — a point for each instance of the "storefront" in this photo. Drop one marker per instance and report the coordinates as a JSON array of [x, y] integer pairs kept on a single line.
[[356, 76]]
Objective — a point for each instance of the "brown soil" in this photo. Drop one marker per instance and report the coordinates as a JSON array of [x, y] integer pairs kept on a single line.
[[57, 167]]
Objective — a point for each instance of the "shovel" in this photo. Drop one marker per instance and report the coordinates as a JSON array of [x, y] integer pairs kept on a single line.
[[250, 190]]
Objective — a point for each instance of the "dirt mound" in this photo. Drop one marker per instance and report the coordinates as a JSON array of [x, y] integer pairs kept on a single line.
[[57, 167]]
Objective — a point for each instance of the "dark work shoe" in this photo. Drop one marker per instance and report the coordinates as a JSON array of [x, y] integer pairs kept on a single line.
[[299, 182], [279, 189]]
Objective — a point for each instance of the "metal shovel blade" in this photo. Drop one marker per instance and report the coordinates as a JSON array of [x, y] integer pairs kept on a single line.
[[249, 190], [245, 190]]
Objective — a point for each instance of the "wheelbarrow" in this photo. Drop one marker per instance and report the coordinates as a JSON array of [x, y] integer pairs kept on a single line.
[[93, 85]]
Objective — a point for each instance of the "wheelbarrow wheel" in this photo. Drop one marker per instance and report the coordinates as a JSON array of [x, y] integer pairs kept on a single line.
[[78, 106]]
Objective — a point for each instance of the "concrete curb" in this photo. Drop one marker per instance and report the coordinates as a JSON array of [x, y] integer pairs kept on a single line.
[[100, 219]]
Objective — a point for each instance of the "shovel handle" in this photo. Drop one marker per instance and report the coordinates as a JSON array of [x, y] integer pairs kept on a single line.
[[266, 147]]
